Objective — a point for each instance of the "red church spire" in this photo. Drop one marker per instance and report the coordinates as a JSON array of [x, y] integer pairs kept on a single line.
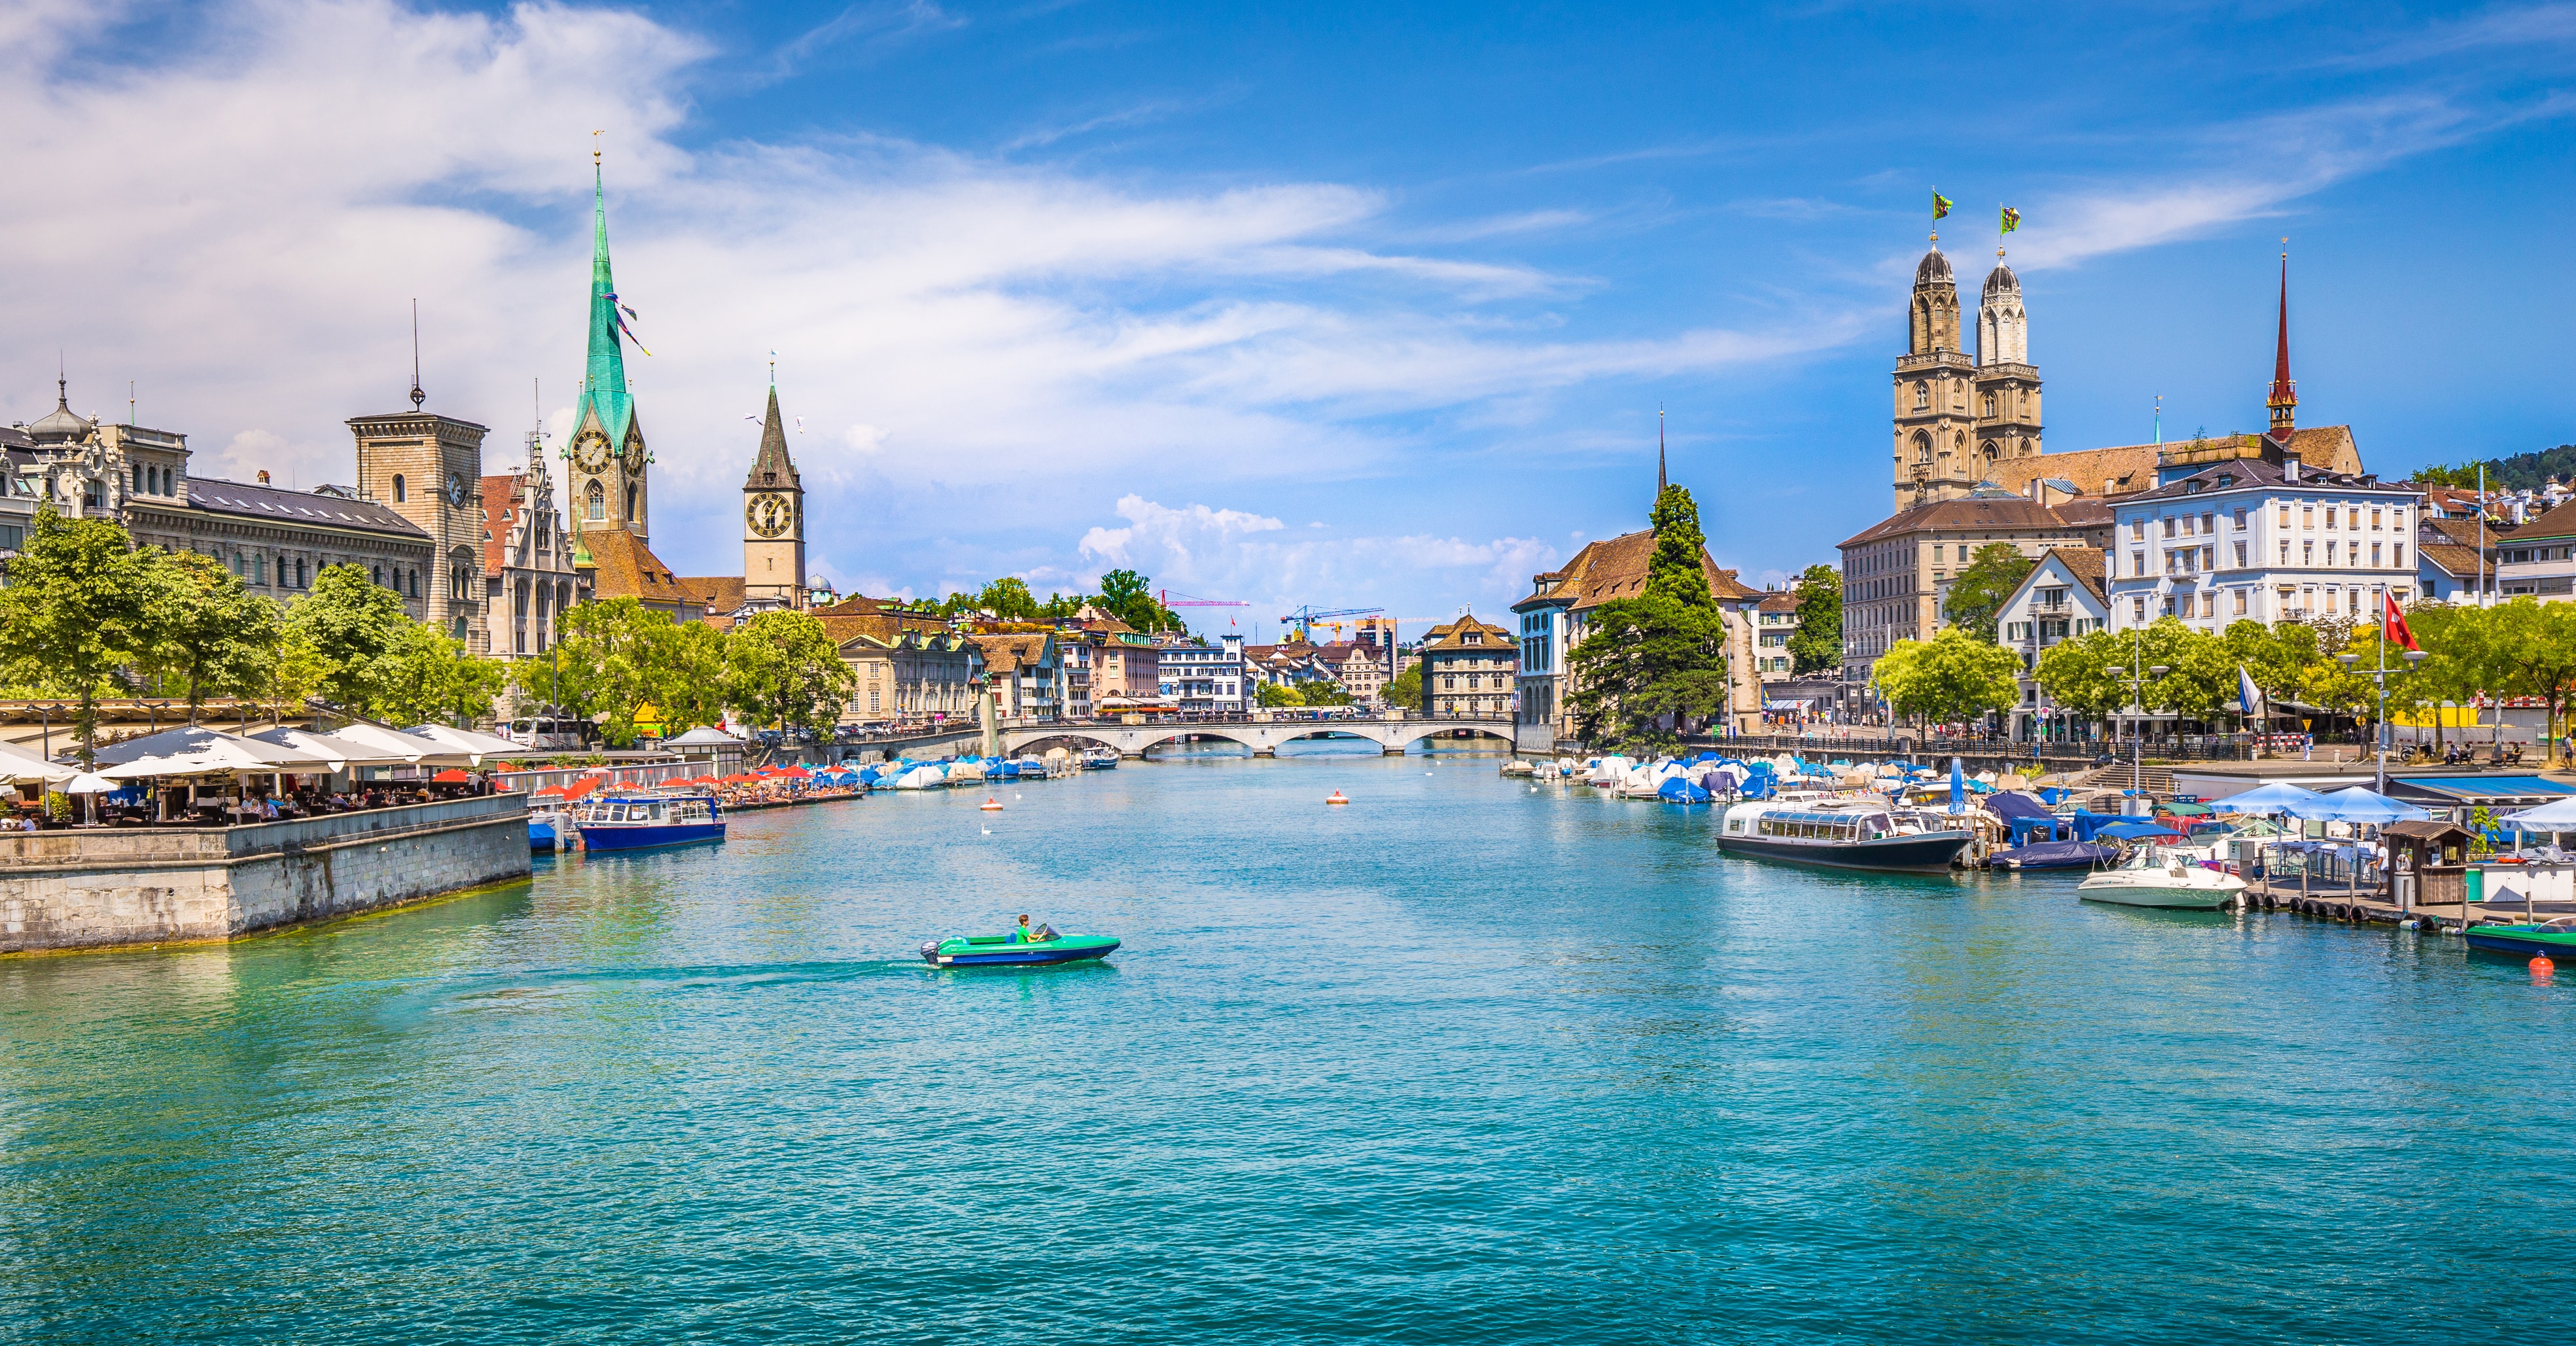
[[2285, 392]]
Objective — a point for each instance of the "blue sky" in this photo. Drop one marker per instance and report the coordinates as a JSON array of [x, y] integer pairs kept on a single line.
[[1349, 305]]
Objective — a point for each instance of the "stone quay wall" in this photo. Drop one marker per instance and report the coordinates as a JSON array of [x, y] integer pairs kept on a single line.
[[87, 889]]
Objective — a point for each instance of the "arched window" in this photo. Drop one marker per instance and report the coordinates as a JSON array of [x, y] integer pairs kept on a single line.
[[598, 502], [399, 494], [1990, 415], [630, 504], [1922, 399], [1922, 447], [1992, 453]]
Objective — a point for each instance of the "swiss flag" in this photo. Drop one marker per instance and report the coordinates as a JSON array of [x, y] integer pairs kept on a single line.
[[2395, 622]]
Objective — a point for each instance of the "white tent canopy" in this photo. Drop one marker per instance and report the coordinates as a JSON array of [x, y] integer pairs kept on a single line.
[[2558, 815], [399, 747], [475, 746], [198, 751], [19, 764], [339, 752]]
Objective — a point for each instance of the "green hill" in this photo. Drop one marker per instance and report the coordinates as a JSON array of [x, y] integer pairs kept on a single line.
[[2521, 472]]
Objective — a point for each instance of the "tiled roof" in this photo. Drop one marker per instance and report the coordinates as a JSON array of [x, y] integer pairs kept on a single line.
[[2460, 562], [2121, 469], [2084, 563], [1451, 636], [2463, 532], [722, 593], [1615, 568], [1785, 601], [500, 504], [1998, 515], [2256, 472], [2559, 522], [296, 507], [626, 568], [1012, 651]]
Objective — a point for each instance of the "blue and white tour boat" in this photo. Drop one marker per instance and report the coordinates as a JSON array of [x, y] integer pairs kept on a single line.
[[635, 822]]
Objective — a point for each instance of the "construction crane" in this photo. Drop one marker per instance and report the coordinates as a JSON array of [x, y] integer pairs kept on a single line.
[[1185, 601], [1305, 618]]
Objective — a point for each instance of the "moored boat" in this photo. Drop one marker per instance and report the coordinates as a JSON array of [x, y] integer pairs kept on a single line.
[[1843, 834], [1012, 951], [2552, 939], [2053, 855], [638, 822], [1099, 757], [2156, 876]]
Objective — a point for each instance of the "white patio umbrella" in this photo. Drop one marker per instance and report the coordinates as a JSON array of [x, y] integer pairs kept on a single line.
[[193, 750], [2558, 815], [86, 784], [339, 752], [18, 764], [399, 747], [478, 746]]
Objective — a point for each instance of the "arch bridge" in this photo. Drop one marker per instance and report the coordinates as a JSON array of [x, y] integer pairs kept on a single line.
[[1263, 737]]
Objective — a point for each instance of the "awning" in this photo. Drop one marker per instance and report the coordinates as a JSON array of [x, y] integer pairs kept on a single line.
[[2477, 791], [337, 751], [401, 747], [193, 750], [475, 746], [1788, 703], [18, 764]]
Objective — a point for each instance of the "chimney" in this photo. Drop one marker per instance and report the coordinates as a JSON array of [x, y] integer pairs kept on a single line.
[[263, 478]]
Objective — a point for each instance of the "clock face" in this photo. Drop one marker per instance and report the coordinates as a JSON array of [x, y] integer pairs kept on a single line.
[[590, 452], [456, 490], [770, 515], [635, 453]]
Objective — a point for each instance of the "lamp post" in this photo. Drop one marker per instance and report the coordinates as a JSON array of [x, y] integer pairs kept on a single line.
[[2379, 676], [2137, 683]]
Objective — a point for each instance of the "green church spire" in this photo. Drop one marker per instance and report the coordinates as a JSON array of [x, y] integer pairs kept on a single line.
[[604, 382]]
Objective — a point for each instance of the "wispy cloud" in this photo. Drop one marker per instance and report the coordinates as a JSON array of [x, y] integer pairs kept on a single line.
[[1127, 116], [2534, 26], [1243, 555], [870, 27]]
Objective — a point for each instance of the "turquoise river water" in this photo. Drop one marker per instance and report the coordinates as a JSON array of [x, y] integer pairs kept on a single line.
[[1465, 1061]]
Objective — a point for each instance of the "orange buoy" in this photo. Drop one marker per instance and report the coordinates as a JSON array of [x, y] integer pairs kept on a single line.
[[992, 805], [2541, 966], [1335, 798]]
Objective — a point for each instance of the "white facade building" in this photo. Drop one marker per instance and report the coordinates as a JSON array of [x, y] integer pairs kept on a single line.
[[2249, 539], [1206, 679], [2061, 598]]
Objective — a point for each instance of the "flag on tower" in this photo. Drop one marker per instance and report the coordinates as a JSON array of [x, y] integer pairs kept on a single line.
[[1940, 204], [2395, 621], [2011, 220]]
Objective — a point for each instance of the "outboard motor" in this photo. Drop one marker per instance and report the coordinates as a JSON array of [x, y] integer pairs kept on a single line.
[[930, 951]]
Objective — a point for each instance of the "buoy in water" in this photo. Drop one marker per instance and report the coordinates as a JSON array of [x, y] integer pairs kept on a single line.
[[1336, 797], [2541, 966], [992, 805]]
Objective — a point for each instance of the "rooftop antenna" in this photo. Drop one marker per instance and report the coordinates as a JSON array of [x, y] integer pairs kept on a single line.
[[417, 396], [1662, 484], [129, 404], [2160, 420]]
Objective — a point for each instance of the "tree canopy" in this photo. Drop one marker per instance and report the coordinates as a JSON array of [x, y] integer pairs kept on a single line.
[[783, 668], [1656, 662], [1977, 593], [1817, 645], [79, 607], [1951, 677]]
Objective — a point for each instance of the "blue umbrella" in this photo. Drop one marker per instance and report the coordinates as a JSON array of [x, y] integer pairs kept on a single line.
[[1958, 787], [2358, 805], [2273, 798]]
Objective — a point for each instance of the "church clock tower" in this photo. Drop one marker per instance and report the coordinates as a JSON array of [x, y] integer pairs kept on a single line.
[[1934, 383], [606, 447], [773, 519]]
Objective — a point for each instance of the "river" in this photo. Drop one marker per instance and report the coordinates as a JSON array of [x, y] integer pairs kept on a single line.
[[1465, 1061]]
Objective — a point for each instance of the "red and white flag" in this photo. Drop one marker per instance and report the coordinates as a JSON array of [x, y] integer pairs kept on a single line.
[[2394, 622]]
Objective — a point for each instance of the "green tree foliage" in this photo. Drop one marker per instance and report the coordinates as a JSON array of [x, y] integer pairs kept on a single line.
[[2463, 477], [1324, 692], [2521, 472], [1656, 662], [1272, 695], [78, 607], [609, 665], [1977, 593], [2536, 642], [354, 628], [1405, 689], [783, 668], [428, 678], [215, 637], [1951, 677], [1817, 645], [1130, 597], [2076, 674]]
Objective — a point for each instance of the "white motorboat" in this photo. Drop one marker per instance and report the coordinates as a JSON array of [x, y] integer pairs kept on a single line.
[[2160, 876]]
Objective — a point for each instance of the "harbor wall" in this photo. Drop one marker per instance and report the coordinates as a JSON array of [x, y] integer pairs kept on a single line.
[[99, 889]]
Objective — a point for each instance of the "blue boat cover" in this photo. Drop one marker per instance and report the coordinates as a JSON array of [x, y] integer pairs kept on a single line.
[[2136, 831], [2057, 855], [1680, 791]]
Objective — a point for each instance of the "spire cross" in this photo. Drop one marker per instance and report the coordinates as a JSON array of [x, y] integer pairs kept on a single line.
[[417, 396]]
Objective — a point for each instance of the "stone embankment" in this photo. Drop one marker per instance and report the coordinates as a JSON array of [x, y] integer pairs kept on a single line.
[[86, 889]]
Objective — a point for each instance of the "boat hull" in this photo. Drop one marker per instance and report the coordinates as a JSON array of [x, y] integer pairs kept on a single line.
[[1041, 953], [1930, 853], [649, 835], [2160, 897], [2521, 941]]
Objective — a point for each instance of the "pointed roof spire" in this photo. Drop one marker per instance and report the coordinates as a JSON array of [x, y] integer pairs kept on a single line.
[[771, 468], [1662, 482], [2285, 392], [604, 382]]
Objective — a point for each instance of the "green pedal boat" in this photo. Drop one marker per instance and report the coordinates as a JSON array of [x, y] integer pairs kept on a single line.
[[1009, 951], [2552, 939]]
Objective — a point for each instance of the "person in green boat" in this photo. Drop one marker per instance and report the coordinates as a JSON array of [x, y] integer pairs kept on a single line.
[[1024, 935]]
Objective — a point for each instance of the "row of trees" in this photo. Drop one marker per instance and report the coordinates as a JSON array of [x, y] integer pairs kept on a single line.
[[87, 615], [2523, 648], [624, 665], [1123, 594]]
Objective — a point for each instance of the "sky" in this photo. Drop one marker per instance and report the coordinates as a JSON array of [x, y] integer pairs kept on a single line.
[[1356, 306]]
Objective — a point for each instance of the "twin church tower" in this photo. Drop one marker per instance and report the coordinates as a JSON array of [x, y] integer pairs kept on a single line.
[[611, 488], [1958, 417]]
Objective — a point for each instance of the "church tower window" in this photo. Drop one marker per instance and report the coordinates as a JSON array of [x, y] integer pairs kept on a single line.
[[1922, 395], [400, 495], [598, 502]]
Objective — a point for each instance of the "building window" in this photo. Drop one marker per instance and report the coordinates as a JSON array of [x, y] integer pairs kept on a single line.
[[2240, 602], [262, 564], [630, 504], [598, 502], [2240, 556], [399, 494], [2209, 605], [2137, 530], [2137, 563], [2169, 525], [2138, 609], [1922, 395], [2399, 555], [2240, 518]]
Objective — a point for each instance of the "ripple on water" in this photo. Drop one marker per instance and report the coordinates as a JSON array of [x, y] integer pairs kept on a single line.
[[1459, 1062]]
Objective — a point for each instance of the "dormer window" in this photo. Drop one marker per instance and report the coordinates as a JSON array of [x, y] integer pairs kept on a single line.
[[2224, 482], [2191, 487]]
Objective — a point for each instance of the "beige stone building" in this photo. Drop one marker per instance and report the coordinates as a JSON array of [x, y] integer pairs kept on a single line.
[[1896, 575], [528, 573], [1557, 616], [1468, 669], [429, 469], [1025, 674], [907, 665]]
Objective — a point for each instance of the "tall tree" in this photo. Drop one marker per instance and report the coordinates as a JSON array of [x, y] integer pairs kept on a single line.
[[1977, 593], [601, 664], [2076, 674], [1817, 645], [429, 678], [783, 668], [77, 608], [1951, 677], [1655, 662], [215, 636], [2537, 641], [684, 674], [1131, 597], [354, 626]]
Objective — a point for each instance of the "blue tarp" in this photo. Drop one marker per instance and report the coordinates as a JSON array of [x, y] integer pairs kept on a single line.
[[2136, 831], [2055, 855], [1680, 791]]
